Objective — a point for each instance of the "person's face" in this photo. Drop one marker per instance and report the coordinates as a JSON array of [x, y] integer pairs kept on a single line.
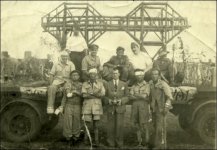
[[120, 53], [75, 76], [92, 76], [139, 78], [115, 74], [135, 49], [93, 52], [155, 75], [64, 58]]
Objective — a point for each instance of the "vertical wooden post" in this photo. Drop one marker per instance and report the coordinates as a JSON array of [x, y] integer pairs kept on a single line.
[[64, 32], [86, 27], [142, 27]]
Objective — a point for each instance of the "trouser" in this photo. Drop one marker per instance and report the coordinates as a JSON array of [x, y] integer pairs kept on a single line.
[[51, 92], [115, 129], [95, 129], [159, 131], [72, 121], [142, 129]]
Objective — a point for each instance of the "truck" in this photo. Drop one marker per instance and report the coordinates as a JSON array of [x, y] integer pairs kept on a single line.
[[24, 117]]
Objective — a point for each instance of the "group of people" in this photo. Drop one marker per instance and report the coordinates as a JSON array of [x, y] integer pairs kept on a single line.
[[84, 101]]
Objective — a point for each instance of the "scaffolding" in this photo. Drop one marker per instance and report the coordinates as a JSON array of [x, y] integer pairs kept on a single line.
[[155, 18]]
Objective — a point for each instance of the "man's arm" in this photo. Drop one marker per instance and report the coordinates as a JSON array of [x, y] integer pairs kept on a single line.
[[85, 94], [110, 63], [145, 92], [169, 97]]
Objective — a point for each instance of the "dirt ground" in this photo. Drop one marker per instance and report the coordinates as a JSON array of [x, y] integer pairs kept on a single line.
[[176, 137]]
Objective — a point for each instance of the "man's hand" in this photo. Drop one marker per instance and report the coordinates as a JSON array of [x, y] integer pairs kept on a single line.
[[167, 107], [110, 102], [119, 102], [69, 94]]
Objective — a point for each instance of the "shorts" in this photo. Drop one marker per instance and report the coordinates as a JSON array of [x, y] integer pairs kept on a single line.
[[90, 117]]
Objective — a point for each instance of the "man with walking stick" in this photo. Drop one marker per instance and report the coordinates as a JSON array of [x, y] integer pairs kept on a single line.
[[161, 97]]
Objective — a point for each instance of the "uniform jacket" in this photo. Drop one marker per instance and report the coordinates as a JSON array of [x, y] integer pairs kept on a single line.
[[115, 60], [166, 67], [122, 93], [160, 93]]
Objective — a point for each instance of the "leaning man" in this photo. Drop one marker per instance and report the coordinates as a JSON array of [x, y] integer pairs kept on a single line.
[[161, 97], [92, 91], [139, 94], [59, 75]]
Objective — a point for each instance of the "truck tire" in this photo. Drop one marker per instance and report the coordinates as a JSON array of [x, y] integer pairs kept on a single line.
[[50, 124], [20, 123], [205, 124], [184, 124]]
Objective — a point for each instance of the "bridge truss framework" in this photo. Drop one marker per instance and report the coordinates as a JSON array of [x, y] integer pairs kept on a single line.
[[155, 18]]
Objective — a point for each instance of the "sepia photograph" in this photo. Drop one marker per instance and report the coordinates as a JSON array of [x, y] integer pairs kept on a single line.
[[108, 75]]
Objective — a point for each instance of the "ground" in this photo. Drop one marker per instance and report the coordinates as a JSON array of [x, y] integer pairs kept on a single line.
[[177, 138]]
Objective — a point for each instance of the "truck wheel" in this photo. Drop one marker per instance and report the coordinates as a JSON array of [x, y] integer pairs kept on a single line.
[[50, 124], [205, 125], [20, 123], [184, 124]]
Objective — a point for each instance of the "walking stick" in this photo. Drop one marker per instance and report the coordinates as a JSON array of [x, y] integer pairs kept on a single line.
[[88, 133], [165, 132]]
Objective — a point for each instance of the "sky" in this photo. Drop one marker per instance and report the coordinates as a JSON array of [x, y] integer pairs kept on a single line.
[[21, 28]]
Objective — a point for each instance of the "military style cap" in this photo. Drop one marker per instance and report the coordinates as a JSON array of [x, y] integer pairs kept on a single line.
[[162, 53], [93, 47], [120, 48]]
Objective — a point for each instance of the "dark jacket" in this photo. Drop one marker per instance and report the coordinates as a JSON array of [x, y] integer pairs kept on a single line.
[[122, 93]]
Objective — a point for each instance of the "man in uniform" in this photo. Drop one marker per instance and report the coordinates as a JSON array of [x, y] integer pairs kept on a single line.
[[139, 94], [161, 97], [166, 67], [121, 61], [90, 61], [92, 91], [59, 75], [71, 106], [116, 97]]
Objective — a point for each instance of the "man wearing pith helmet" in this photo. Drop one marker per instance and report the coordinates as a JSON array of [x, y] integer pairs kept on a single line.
[[139, 95], [167, 68], [90, 61], [92, 91], [59, 75]]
